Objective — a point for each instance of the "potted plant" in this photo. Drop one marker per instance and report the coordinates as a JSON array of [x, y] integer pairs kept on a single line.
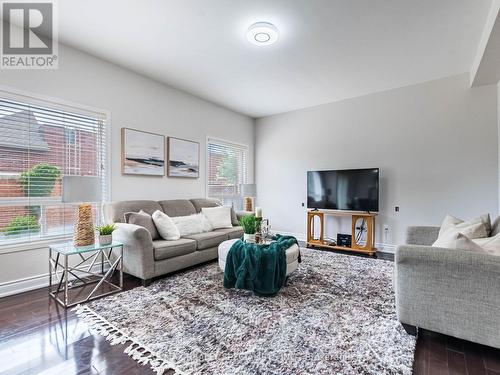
[[249, 224], [105, 234]]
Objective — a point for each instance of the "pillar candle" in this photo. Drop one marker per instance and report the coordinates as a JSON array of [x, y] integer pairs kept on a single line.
[[258, 212]]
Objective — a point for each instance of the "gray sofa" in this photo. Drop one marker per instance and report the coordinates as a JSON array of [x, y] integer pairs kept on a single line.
[[146, 258], [450, 291]]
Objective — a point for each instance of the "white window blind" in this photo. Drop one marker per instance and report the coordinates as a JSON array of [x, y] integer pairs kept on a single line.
[[39, 143], [226, 170]]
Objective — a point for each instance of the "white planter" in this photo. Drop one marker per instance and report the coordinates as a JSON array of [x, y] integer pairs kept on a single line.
[[106, 239], [249, 237]]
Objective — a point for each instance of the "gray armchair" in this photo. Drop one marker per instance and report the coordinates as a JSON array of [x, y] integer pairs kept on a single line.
[[450, 291]]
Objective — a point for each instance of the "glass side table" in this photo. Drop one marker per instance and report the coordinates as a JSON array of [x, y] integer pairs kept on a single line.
[[74, 281]]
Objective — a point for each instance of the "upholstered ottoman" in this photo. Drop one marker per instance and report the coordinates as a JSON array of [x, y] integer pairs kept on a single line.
[[292, 256]]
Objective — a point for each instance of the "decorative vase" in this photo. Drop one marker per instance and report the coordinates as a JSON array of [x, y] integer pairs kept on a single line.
[[84, 227], [105, 239], [248, 204], [249, 237]]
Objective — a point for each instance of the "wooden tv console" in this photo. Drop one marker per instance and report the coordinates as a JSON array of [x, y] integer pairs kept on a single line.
[[367, 248]]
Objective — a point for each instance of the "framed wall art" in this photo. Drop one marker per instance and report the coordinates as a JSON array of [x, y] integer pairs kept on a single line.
[[143, 153], [183, 158]]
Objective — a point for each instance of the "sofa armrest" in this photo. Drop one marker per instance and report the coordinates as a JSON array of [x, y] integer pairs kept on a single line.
[[451, 291], [420, 235], [138, 256]]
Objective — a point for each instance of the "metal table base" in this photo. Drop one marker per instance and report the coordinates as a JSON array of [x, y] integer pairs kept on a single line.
[[82, 274]]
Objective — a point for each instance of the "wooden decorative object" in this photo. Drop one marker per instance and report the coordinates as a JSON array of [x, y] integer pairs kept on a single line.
[[84, 227], [367, 248], [310, 227], [370, 223], [248, 204]]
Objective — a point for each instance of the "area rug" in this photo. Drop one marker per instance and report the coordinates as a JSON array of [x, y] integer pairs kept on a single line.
[[336, 315]]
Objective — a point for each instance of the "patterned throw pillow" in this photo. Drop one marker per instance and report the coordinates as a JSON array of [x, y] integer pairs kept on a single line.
[[192, 224]]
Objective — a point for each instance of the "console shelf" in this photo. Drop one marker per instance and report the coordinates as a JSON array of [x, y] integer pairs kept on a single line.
[[366, 248]]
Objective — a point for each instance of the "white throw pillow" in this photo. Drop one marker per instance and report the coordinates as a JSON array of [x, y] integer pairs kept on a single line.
[[490, 244], [495, 227], [451, 222], [191, 224], [219, 217], [165, 226], [473, 231], [456, 240], [207, 225]]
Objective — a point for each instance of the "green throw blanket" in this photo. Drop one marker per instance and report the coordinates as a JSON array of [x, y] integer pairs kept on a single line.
[[260, 268]]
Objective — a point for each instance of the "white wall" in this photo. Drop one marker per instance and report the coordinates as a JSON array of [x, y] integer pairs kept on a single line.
[[136, 102], [435, 144]]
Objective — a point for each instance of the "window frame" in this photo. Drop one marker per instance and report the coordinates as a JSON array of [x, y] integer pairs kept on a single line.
[[229, 142], [9, 93]]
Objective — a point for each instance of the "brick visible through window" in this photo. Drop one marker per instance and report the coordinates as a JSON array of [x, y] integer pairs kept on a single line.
[[38, 145], [226, 171]]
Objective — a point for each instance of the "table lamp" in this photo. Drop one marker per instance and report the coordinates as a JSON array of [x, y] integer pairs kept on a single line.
[[248, 191], [82, 189]]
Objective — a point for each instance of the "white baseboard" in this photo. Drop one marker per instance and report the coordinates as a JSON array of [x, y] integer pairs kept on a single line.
[[386, 248], [26, 284], [382, 247]]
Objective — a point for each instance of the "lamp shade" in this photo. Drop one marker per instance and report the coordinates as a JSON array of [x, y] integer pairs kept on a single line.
[[80, 189], [248, 190]]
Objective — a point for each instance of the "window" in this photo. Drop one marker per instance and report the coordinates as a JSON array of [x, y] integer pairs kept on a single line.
[[39, 143], [226, 170]]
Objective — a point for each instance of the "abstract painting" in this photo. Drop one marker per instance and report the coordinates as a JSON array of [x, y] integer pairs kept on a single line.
[[183, 158], [143, 153]]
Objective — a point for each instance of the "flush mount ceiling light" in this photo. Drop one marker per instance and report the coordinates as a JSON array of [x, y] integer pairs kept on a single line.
[[262, 34]]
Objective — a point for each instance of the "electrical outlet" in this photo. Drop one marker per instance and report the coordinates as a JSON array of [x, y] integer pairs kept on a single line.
[[396, 208], [303, 205], [386, 233]]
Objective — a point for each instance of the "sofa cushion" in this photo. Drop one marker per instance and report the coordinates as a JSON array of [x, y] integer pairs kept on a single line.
[[234, 218], [170, 249], [177, 207], [231, 233], [207, 240], [200, 203], [115, 211], [143, 219]]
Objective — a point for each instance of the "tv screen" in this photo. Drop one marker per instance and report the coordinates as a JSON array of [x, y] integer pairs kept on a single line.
[[348, 189]]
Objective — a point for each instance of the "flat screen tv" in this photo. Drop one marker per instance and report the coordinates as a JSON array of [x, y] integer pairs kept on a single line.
[[347, 189]]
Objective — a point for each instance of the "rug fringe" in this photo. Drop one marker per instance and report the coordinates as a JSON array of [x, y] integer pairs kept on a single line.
[[138, 352]]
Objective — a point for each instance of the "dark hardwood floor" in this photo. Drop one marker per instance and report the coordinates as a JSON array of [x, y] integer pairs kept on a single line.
[[39, 337]]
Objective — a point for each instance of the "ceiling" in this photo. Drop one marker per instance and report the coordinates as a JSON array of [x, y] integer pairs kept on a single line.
[[328, 50]]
